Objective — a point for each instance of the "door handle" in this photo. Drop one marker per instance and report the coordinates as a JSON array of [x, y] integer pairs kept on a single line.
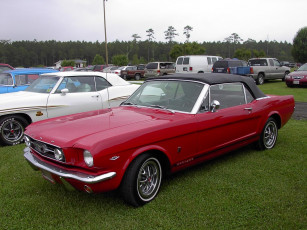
[[248, 109], [95, 96]]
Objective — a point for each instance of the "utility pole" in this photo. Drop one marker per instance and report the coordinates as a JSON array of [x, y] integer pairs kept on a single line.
[[105, 30]]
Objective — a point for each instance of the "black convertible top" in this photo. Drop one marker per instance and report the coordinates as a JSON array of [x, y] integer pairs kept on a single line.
[[215, 78]]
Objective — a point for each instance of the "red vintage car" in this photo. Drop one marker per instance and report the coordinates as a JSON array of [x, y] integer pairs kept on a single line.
[[298, 77], [4, 67], [168, 124]]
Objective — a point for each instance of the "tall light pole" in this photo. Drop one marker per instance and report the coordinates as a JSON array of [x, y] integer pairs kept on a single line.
[[105, 30]]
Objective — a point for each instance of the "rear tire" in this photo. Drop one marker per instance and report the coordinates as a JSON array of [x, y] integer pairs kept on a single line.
[[268, 136], [12, 129], [142, 180], [284, 78], [260, 79], [137, 77]]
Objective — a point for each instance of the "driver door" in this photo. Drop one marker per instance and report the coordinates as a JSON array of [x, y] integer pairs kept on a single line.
[[81, 96], [234, 122]]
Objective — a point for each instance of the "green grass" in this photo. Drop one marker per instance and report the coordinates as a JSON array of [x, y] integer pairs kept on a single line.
[[246, 189], [278, 87]]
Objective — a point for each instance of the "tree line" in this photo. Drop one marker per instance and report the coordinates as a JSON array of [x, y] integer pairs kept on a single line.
[[46, 53]]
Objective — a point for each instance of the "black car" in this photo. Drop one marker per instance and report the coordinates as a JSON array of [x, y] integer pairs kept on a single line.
[[227, 65]]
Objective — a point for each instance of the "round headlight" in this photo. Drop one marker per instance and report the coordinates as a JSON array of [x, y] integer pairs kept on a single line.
[[88, 158], [58, 154], [27, 141]]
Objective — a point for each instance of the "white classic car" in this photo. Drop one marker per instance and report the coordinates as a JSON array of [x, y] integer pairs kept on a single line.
[[58, 94]]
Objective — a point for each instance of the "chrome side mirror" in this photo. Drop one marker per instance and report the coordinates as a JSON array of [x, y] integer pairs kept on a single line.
[[64, 91], [215, 105]]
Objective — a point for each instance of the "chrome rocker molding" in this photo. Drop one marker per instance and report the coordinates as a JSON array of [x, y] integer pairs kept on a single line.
[[37, 164]]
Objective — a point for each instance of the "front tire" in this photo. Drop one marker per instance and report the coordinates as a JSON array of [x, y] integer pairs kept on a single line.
[[142, 180], [12, 129], [268, 136]]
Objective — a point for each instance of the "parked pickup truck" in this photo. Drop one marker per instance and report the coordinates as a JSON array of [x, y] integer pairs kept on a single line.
[[232, 66], [267, 69], [136, 72]]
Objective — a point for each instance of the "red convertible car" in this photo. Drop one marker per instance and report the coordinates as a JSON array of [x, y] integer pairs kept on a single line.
[[168, 124]]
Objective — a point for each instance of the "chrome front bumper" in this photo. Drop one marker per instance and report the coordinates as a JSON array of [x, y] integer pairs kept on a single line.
[[37, 164]]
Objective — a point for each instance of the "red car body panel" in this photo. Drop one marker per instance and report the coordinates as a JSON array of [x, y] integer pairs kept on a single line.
[[117, 136], [4, 66]]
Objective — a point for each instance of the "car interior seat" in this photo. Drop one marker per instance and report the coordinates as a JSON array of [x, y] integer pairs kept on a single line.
[[84, 88]]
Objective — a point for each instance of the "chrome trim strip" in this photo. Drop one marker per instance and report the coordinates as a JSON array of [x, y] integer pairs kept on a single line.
[[85, 178], [119, 98], [32, 108], [200, 99], [262, 98], [56, 146]]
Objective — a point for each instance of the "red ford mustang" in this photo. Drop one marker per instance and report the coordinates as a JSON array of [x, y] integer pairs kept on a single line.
[[168, 124]]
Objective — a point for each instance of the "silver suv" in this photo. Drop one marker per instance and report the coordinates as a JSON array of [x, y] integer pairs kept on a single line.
[[155, 69]]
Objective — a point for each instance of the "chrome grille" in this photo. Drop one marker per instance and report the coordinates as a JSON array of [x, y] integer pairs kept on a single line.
[[43, 149]]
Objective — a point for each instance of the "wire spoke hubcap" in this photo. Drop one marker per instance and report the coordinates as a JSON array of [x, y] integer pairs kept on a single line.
[[149, 179], [270, 134]]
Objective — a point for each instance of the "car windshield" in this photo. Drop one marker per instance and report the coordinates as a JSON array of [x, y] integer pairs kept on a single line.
[[303, 68], [171, 95], [43, 84]]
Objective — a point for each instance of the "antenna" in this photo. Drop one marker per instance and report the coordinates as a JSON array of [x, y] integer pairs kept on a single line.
[[108, 93], [106, 44]]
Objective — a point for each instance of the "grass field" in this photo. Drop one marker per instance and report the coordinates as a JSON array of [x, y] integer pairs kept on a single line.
[[246, 189], [278, 87]]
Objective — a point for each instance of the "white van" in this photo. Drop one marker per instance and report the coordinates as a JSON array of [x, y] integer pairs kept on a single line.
[[195, 63]]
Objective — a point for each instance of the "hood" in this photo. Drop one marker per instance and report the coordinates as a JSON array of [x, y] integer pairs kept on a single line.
[[20, 100], [111, 126], [298, 73]]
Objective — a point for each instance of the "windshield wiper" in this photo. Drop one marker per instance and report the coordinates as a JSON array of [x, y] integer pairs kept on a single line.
[[127, 103], [161, 107]]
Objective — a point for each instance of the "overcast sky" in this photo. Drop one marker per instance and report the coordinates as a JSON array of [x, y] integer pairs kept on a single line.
[[214, 20]]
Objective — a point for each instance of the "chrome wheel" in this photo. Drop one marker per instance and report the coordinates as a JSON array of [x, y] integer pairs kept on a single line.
[[260, 79], [149, 179], [142, 180], [12, 130], [270, 134]]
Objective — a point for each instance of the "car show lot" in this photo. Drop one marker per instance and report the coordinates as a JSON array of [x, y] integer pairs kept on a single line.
[[245, 189]]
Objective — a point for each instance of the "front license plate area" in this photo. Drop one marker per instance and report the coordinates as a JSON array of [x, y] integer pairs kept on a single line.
[[48, 176], [296, 82]]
